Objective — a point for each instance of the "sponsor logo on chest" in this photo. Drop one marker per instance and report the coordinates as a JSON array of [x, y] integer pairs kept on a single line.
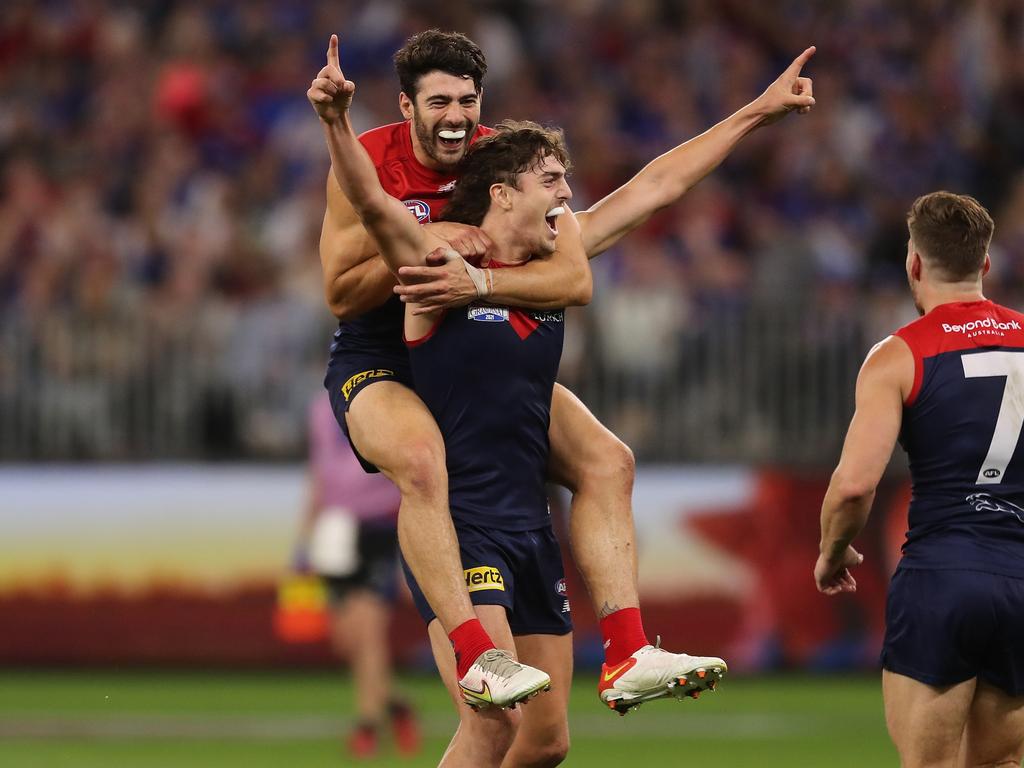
[[488, 314], [552, 316], [501, 315]]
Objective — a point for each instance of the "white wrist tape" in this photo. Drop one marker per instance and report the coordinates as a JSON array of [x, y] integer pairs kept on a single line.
[[481, 277]]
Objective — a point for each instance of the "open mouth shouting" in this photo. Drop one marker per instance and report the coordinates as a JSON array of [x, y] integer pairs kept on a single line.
[[551, 216]]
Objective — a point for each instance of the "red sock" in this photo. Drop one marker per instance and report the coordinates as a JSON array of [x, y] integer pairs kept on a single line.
[[623, 633], [469, 640]]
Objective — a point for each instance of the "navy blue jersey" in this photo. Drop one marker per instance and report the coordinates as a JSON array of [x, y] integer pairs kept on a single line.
[[961, 430], [486, 374]]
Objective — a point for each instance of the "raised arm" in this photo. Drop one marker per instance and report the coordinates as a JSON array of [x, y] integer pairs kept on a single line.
[[401, 239], [882, 385], [667, 178]]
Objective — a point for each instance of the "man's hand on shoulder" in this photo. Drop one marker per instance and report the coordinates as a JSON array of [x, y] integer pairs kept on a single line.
[[445, 282], [466, 240]]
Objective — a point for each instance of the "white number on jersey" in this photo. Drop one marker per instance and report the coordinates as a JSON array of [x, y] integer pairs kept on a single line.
[[1011, 409]]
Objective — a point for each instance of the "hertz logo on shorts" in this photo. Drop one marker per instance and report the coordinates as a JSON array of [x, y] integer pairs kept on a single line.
[[359, 378], [483, 577]]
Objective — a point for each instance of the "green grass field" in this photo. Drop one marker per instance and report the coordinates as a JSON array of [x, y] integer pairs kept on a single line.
[[165, 719]]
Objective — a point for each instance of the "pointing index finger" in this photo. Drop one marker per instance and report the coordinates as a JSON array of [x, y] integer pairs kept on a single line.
[[332, 52], [801, 60]]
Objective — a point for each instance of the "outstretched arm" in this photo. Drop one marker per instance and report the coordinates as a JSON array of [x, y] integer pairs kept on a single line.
[[401, 239], [667, 178], [884, 381]]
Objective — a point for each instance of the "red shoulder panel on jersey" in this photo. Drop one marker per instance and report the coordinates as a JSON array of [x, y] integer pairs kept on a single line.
[[960, 326]]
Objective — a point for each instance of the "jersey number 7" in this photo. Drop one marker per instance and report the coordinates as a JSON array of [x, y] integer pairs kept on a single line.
[[1011, 409]]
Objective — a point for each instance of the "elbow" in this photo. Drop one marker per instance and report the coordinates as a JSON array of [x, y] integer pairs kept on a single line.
[[583, 294], [583, 290], [850, 489], [341, 305]]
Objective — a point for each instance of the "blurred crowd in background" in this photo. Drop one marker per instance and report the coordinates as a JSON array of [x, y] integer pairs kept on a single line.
[[162, 170]]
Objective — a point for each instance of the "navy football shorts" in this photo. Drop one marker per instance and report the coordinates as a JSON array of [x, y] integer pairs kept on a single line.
[[350, 372], [377, 569], [521, 570], [946, 626]]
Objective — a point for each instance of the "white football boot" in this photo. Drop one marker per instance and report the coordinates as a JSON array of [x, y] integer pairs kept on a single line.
[[652, 673], [498, 680]]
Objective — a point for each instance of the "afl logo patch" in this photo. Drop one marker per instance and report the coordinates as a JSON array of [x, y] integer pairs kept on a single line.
[[419, 209], [488, 314], [560, 588], [991, 473]]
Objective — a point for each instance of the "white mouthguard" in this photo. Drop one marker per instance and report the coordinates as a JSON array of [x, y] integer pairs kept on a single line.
[[460, 134]]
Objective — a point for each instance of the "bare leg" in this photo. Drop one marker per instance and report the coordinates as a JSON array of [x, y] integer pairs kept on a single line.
[[994, 736], [543, 736], [483, 737], [599, 469], [359, 625], [926, 722], [392, 428]]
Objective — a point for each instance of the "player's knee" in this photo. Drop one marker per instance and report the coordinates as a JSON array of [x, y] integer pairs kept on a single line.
[[549, 752], [494, 733], [419, 470], [613, 467]]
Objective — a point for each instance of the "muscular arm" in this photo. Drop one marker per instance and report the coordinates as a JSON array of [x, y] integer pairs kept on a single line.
[[667, 178], [882, 385], [401, 239], [562, 279], [356, 278]]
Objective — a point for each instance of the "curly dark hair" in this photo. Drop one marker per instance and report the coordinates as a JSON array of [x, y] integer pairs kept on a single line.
[[450, 52], [517, 146]]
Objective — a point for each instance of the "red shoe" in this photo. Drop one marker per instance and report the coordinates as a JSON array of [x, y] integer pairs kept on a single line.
[[362, 742], [405, 728]]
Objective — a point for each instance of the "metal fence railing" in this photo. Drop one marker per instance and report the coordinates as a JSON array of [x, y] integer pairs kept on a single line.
[[761, 385]]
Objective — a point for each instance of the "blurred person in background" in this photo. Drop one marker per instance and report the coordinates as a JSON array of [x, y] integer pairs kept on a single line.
[[950, 388], [348, 537], [441, 78]]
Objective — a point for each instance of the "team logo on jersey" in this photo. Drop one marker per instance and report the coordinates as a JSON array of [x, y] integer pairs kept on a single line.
[[986, 502], [419, 209], [483, 577], [560, 587], [448, 187], [555, 316], [488, 314]]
